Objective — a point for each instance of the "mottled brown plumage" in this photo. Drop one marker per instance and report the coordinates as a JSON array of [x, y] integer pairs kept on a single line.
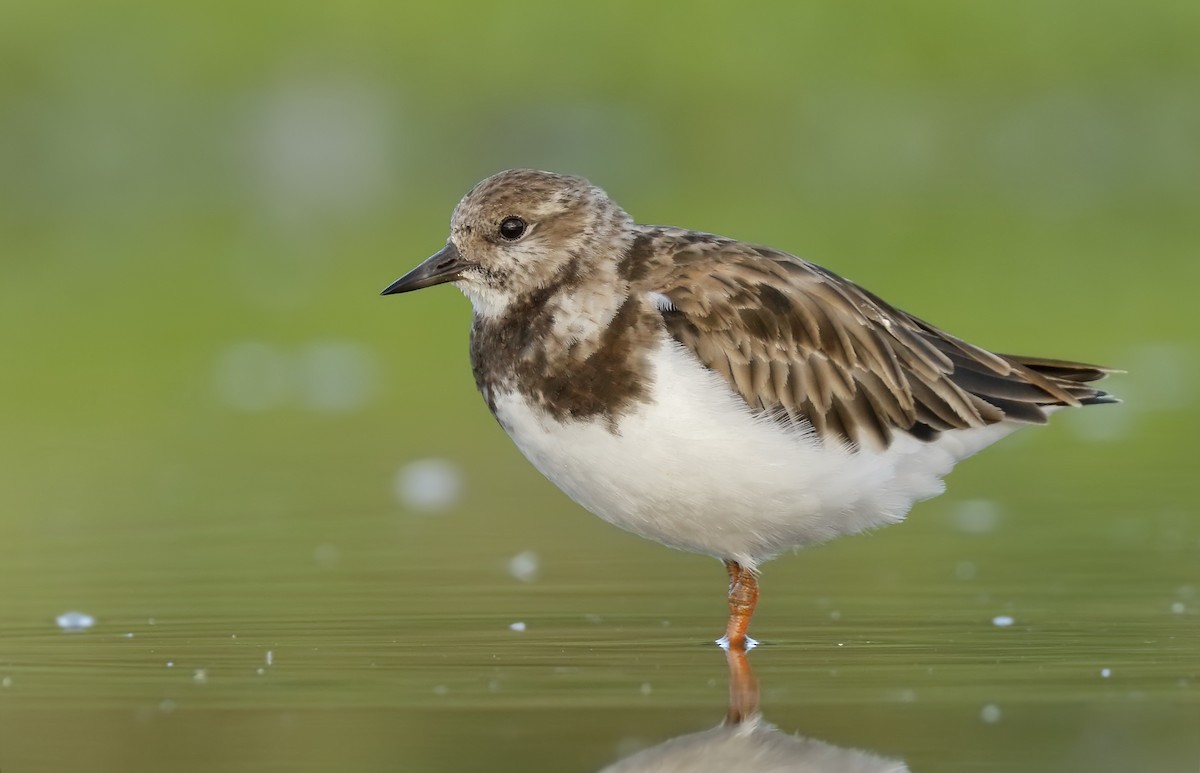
[[567, 382], [796, 341]]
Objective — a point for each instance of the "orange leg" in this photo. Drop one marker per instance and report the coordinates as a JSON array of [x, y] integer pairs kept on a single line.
[[743, 596], [735, 573]]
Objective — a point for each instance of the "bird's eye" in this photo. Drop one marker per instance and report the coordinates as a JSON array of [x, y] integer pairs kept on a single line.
[[512, 228]]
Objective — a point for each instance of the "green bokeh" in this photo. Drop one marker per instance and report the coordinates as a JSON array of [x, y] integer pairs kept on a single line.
[[180, 182]]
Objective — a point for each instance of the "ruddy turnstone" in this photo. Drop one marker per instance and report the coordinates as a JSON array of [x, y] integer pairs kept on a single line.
[[713, 395]]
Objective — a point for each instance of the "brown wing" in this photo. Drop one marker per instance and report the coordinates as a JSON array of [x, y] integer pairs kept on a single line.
[[797, 341]]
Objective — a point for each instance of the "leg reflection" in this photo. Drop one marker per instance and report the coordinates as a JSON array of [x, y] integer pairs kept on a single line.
[[743, 688], [746, 742]]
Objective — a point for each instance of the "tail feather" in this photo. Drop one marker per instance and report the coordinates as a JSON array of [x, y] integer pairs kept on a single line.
[[1063, 370], [1071, 377]]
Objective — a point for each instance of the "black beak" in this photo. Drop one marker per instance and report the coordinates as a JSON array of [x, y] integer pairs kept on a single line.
[[445, 265]]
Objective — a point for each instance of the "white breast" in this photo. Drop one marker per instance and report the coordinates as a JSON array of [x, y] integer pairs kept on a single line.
[[694, 469]]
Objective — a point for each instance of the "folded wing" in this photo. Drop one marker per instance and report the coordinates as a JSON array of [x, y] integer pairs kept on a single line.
[[798, 342]]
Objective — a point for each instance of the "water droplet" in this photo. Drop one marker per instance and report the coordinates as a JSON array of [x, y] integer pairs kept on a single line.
[[271, 657], [524, 566], [253, 376], [429, 485], [336, 376], [1002, 621], [318, 147], [200, 675], [74, 622], [990, 714], [1178, 607], [1105, 673], [976, 516], [517, 626], [646, 688]]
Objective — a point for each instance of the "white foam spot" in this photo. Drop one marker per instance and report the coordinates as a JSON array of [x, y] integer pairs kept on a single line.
[[320, 147], [518, 626], [524, 566], [74, 622], [1166, 373], [990, 714], [429, 485], [253, 376], [1002, 621], [976, 516], [336, 376], [200, 675]]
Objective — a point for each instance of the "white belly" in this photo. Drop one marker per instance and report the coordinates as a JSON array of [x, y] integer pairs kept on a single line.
[[694, 469]]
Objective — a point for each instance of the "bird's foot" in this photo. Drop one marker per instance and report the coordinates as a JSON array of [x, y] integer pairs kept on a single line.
[[745, 645]]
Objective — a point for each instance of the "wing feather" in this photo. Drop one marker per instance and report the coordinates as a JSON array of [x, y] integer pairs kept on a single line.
[[797, 341]]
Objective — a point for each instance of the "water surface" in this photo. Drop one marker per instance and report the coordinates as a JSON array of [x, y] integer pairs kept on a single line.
[[260, 646]]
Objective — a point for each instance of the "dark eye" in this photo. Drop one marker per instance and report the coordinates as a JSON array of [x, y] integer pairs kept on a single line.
[[512, 228]]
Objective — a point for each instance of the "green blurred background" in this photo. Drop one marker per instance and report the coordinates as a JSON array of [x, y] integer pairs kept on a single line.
[[207, 414]]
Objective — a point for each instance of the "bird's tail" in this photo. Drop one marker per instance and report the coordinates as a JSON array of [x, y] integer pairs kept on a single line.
[[1071, 377]]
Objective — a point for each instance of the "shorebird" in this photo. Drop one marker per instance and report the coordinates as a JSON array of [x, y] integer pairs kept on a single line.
[[713, 395]]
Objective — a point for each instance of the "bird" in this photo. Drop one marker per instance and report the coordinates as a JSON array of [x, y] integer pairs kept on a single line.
[[716, 396]]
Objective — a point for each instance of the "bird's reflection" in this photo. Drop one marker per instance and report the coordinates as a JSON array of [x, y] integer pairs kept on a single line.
[[746, 742]]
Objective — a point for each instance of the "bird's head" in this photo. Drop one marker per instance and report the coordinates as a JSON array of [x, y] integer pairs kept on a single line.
[[521, 231]]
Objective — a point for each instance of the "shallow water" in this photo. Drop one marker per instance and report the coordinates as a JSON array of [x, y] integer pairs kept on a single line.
[[256, 644]]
